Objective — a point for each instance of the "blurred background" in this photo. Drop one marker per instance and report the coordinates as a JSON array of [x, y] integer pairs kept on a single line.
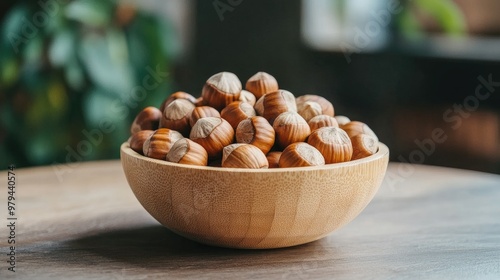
[[423, 74]]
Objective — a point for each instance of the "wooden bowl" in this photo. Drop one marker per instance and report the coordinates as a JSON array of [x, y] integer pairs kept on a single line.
[[253, 208]]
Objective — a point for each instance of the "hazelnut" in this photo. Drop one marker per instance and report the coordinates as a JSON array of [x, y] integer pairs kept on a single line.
[[322, 121], [273, 158], [333, 143], [202, 112], [300, 154], [186, 151], [260, 126], [326, 106], [256, 131], [158, 144], [213, 134], [177, 95], [147, 119], [198, 102], [363, 145], [220, 90], [237, 111], [309, 109], [246, 96], [271, 105], [290, 127], [342, 120], [354, 128], [176, 116], [243, 156], [261, 84], [136, 141]]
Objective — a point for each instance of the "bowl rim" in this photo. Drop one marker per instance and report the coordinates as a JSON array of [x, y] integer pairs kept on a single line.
[[383, 151]]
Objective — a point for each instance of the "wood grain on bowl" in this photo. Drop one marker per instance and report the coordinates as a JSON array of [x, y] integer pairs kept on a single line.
[[245, 208]]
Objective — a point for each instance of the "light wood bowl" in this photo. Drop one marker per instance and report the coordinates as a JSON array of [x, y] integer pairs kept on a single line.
[[254, 208]]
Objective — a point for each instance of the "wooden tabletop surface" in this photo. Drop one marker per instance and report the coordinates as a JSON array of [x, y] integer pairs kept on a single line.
[[425, 222]]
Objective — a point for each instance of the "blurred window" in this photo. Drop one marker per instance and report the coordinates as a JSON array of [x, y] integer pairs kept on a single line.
[[447, 28]]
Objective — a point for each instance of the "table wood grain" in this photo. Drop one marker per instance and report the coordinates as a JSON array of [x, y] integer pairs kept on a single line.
[[425, 222]]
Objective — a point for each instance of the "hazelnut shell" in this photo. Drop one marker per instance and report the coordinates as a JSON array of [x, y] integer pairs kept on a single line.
[[271, 105], [186, 151], [136, 141], [158, 144], [237, 111], [322, 121], [213, 134], [333, 143], [147, 119], [256, 131], [244, 156], [261, 84], [300, 154], [327, 106], [177, 95], [176, 116], [202, 112], [354, 128], [363, 145], [290, 127], [273, 158], [220, 90]]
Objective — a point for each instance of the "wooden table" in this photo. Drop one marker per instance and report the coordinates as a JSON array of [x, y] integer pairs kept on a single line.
[[425, 222]]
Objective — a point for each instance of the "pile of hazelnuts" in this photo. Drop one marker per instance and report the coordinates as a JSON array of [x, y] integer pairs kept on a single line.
[[260, 126]]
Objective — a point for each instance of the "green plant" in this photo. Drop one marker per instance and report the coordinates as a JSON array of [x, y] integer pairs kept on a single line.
[[446, 14], [86, 62]]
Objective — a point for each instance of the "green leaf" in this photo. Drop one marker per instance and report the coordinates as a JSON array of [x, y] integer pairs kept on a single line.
[[33, 51], [152, 39], [57, 20], [99, 105], [41, 146], [94, 13], [74, 75], [6, 117], [118, 48], [409, 25], [13, 22], [446, 13], [37, 111], [57, 99], [62, 47], [169, 40], [10, 72], [50, 104], [104, 71]]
